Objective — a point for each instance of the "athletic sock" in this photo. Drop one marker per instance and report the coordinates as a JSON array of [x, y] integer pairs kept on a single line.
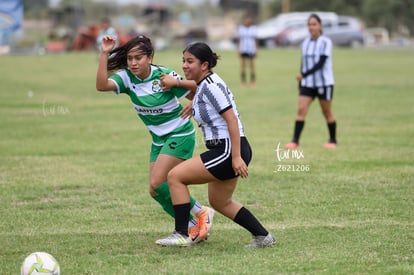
[[182, 215], [165, 204], [299, 124], [332, 131], [246, 219], [252, 77], [196, 207], [243, 77], [163, 197], [192, 222]]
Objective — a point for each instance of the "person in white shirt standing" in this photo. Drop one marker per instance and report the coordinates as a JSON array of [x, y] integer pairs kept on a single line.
[[247, 46], [315, 80], [105, 30]]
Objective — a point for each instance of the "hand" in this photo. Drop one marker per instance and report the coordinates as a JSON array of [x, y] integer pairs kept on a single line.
[[108, 43], [167, 82], [240, 167], [187, 110], [299, 77]]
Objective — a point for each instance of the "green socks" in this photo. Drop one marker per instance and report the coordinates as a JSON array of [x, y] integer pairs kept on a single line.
[[163, 197]]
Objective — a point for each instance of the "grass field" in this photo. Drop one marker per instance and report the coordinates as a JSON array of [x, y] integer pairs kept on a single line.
[[74, 165]]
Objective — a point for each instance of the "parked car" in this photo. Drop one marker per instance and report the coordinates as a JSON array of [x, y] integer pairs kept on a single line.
[[268, 30], [347, 31]]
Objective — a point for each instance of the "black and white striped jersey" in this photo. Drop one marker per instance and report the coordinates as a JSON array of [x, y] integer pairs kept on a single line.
[[247, 36], [212, 98], [312, 50]]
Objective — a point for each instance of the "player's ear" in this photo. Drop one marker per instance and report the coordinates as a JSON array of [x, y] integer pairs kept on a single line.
[[205, 66], [150, 58]]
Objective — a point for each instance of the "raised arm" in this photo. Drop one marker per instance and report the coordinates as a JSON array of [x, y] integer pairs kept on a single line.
[[102, 82]]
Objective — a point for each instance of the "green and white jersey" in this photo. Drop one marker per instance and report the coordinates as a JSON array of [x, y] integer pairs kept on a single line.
[[158, 109]]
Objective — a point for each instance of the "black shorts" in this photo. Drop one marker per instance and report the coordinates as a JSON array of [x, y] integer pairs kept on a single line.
[[325, 92], [248, 55], [218, 160]]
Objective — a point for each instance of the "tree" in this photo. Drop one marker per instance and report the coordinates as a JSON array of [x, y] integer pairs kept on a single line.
[[36, 8], [389, 14]]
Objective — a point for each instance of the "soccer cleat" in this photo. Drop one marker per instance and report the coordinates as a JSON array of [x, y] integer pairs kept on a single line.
[[204, 221], [291, 145], [262, 241], [330, 145], [194, 233], [175, 239]]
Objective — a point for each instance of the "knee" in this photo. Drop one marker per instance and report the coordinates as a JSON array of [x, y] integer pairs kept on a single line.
[[154, 183], [173, 177], [217, 204], [152, 191]]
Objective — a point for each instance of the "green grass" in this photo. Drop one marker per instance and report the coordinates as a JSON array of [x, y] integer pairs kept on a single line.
[[74, 171]]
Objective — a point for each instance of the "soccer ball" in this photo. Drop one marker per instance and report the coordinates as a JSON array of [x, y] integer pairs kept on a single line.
[[40, 263]]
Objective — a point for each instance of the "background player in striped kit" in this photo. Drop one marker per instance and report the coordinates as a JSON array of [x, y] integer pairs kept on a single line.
[[173, 134], [227, 156], [247, 46], [315, 80]]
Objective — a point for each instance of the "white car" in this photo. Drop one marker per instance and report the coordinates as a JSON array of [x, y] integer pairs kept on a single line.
[[268, 30], [347, 31]]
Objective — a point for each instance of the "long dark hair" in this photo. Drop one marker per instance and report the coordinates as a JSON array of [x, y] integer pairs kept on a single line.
[[203, 52], [118, 56]]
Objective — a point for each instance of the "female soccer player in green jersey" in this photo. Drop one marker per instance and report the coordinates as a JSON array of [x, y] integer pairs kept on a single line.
[[128, 69]]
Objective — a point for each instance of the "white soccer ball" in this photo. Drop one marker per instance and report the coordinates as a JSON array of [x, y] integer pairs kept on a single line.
[[40, 263]]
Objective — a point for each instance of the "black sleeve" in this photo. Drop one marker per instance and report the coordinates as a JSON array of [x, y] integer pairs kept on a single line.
[[317, 66]]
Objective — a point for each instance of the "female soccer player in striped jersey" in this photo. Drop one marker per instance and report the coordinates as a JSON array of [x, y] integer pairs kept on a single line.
[[315, 80], [247, 44], [227, 156], [173, 134]]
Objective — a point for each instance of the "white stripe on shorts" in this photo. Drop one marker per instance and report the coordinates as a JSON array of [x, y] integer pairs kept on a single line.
[[329, 93], [220, 159]]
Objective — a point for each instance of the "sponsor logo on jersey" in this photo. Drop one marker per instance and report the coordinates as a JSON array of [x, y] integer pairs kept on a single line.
[[149, 111]]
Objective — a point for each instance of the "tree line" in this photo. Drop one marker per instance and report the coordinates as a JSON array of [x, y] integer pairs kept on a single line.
[[394, 15]]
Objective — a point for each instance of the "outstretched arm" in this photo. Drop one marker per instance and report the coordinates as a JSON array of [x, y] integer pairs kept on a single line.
[[102, 82], [168, 82]]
